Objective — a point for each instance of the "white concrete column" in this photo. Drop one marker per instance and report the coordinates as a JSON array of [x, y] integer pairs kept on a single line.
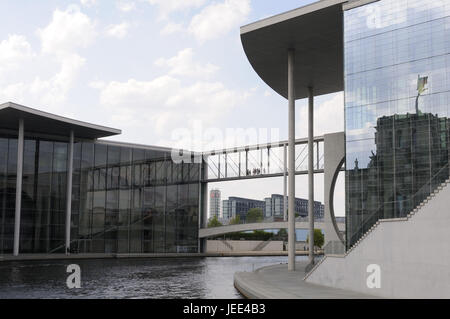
[[285, 183], [291, 162], [200, 204], [311, 173], [20, 143], [317, 156], [69, 192]]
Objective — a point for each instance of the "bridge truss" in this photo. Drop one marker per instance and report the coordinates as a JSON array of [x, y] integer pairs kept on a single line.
[[260, 161]]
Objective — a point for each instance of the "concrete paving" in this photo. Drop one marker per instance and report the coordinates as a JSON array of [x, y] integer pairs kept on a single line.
[[276, 282]]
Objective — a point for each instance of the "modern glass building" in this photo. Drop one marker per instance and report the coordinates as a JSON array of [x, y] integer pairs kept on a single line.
[[238, 206], [397, 94], [391, 58], [275, 207], [125, 198]]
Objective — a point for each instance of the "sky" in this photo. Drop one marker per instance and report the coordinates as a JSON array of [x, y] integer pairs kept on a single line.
[[166, 72]]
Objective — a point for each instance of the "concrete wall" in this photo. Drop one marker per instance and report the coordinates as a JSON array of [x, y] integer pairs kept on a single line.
[[334, 148], [413, 255], [214, 246]]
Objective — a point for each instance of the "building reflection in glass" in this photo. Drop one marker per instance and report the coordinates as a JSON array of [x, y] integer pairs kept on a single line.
[[124, 199], [411, 151], [397, 98]]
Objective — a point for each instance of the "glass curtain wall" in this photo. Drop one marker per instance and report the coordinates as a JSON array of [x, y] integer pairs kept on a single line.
[[8, 167], [397, 94], [131, 200], [44, 187], [124, 200]]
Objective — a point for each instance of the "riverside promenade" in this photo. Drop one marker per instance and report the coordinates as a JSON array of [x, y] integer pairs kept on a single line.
[[276, 282]]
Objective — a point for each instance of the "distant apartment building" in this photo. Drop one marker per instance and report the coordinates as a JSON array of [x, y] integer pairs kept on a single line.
[[226, 209], [238, 206], [214, 203], [274, 207]]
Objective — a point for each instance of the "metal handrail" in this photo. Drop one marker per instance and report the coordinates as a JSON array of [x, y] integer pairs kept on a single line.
[[428, 185]]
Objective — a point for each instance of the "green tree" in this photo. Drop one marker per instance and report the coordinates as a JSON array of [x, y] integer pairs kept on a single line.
[[255, 235], [214, 222], [254, 215], [236, 220], [319, 239], [282, 234]]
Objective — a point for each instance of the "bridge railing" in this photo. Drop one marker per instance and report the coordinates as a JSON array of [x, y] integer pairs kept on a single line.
[[268, 220], [263, 160]]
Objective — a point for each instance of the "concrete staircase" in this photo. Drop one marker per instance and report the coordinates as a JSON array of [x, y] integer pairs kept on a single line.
[[412, 252], [227, 244], [261, 245], [409, 216]]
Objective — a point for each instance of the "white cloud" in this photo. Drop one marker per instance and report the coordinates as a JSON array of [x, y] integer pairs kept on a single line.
[[68, 30], [58, 65], [126, 6], [183, 64], [50, 92], [328, 116], [268, 93], [217, 19], [13, 51], [165, 104], [171, 28], [132, 92], [12, 92], [96, 84], [118, 30], [88, 3], [54, 90], [166, 7]]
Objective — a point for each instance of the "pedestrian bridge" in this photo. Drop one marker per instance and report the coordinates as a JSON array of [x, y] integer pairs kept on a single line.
[[221, 230]]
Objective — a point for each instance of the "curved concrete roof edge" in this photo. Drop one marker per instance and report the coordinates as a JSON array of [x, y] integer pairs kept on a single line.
[[281, 17]]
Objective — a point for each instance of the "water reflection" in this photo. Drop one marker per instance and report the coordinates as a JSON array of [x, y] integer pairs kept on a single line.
[[130, 278]]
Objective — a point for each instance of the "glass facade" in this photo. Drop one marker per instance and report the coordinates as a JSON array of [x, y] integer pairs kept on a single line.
[[124, 199], [397, 94], [275, 207]]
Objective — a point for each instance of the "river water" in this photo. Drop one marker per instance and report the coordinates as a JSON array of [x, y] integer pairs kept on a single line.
[[207, 277]]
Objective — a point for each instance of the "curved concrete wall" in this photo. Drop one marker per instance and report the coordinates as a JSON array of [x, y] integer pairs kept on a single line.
[[334, 155], [413, 255]]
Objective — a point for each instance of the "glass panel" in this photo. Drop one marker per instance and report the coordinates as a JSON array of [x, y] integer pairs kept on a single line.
[[120, 201], [397, 90]]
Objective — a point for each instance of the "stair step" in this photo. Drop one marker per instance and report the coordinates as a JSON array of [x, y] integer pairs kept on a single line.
[[411, 214], [395, 219]]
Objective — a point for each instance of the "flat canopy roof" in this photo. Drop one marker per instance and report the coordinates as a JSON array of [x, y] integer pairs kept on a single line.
[[36, 121], [315, 32]]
